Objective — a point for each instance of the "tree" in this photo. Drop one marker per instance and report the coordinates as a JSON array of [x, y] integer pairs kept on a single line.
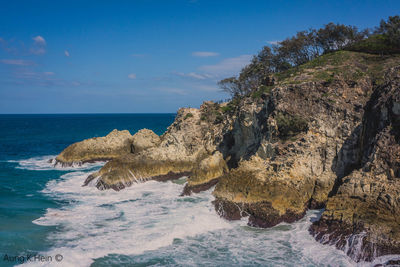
[[337, 36], [297, 50], [254, 75], [384, 40], [391, 30], [266, 60], [230, 85]]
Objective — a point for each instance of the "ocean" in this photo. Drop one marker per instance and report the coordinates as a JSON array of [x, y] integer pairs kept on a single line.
[[48, 219]]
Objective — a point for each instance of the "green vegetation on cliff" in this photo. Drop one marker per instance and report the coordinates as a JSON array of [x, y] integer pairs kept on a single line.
[[290, 125], [312, 48]]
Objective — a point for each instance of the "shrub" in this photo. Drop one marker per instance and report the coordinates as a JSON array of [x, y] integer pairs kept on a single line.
[[189, 115], [226, 109], [290, 125], [218, 118], [262, 90], [376, 44], [325, 76]]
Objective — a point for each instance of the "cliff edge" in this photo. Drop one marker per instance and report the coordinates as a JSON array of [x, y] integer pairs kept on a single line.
[[323, 134]]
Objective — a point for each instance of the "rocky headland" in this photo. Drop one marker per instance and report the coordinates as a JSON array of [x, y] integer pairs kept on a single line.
[[115, 144], [325, 134]]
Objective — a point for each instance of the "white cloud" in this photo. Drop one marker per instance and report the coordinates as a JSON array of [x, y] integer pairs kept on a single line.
[[194, 75], [38, 51], [228, 66], [34, 76], [39, 45], [8, 46], [66, 53], [132, 76], [39, 40], [273, 42], [204, 54], [18, 62]]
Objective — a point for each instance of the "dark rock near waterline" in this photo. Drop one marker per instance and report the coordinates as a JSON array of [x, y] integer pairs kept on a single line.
[[189, 189], [170, 176], [121, 185], [260, 214]]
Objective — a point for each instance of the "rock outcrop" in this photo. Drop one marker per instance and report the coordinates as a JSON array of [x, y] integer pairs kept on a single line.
[[206, 173], [287, 151], [312, 144], [325, 134], [186, 145], [115, 144], [362, 215], [143, 140]]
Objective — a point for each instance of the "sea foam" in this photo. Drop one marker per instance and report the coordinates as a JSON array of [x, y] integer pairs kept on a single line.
[[46, 163], [143, 217], [150, 221]]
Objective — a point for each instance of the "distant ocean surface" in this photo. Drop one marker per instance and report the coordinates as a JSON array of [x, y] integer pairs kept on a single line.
[[45, 210]]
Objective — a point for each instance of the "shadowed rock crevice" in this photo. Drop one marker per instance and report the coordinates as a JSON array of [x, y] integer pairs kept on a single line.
[[249, 128], [347, 159]]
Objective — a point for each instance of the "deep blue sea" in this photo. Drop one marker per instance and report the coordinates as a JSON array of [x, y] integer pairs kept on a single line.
[[45, 211]]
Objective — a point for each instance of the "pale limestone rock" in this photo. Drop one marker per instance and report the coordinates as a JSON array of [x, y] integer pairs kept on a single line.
[[143, 140], [113, 145]]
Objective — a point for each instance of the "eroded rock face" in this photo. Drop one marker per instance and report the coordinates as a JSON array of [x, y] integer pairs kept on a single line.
[[290, 148], [111, 146], [206, 173], [253, 189], [143, 140], [182, 148], [362, 216]]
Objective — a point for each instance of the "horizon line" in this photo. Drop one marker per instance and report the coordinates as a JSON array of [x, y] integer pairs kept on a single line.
[[87, 113]]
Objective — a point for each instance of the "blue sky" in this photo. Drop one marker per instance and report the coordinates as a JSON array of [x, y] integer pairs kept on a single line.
[[144, 55]]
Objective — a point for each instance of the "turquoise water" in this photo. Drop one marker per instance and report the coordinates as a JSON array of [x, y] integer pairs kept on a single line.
[[45, 210], [24, 141]]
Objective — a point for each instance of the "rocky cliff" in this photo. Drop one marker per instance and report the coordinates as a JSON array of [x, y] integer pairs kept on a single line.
[[362, 215], [324, 134]]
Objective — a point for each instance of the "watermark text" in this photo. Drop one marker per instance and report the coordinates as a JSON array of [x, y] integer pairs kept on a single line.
[[32, 258]]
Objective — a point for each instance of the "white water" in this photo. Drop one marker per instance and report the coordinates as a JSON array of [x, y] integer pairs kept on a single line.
[[149, 221], [46, 163]]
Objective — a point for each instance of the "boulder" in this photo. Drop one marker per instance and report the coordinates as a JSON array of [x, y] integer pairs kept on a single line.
[[143, 140], [111, 146]]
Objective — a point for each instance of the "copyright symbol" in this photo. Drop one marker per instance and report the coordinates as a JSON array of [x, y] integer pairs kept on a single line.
[[59, 257]]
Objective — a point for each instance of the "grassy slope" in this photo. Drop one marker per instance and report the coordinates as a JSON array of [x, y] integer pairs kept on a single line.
[[347, 65]]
